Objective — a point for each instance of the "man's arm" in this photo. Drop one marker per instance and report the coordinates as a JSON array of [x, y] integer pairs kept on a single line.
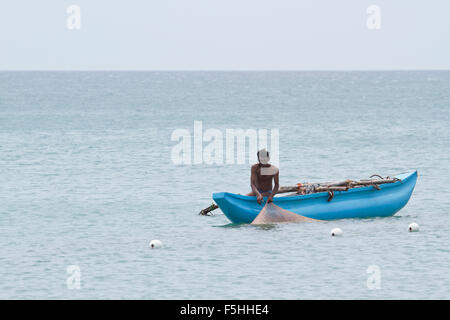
[[253, 178], [276, 181]]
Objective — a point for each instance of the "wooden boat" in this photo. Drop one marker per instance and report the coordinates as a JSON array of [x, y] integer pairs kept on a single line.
[[363, 202]]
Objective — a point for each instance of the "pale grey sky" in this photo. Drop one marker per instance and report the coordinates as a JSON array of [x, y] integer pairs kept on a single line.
[[224, 35]]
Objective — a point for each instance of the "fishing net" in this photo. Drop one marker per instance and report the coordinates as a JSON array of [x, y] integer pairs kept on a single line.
[[271, 213]]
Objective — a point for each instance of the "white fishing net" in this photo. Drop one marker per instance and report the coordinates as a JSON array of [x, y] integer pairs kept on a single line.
[[271, 213]]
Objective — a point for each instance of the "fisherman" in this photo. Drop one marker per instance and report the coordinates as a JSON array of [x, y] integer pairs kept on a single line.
[[261, 178]]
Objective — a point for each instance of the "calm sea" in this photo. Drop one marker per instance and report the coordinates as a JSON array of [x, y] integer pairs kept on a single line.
[[87, 180]]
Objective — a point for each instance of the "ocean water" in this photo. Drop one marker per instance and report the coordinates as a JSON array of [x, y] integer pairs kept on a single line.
[[87, 180]]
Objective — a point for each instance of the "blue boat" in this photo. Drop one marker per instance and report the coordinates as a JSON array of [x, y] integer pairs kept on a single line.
[[362, 202]]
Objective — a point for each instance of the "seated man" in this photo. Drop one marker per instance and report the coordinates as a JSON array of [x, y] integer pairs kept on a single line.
[[261, 178]]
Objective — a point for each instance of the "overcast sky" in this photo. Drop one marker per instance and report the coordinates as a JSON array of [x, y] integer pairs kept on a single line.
[[224, 35]]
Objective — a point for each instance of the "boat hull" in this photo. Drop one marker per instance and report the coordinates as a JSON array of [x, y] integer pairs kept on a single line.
[[362, 202]]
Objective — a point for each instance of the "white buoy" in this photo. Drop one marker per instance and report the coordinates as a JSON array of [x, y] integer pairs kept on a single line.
[[336, 232], [155, 244], [413, 227]]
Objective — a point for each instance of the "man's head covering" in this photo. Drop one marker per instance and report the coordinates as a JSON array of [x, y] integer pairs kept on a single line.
[[263, 156]]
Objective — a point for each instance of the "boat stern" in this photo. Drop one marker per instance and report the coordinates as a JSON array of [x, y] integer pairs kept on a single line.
[[237, 208]]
